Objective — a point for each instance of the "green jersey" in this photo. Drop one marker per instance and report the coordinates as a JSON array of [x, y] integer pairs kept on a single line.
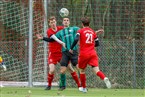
[[67, 35]]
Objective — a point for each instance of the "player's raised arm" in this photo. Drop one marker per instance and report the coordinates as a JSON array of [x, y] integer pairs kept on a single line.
[[100, 31], [97, 42]]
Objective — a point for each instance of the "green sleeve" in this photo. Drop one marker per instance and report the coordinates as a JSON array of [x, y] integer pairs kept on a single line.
[[58, 34], [76, 28]]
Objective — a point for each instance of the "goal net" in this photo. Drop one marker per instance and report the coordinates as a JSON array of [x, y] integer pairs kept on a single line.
[[14, 29]]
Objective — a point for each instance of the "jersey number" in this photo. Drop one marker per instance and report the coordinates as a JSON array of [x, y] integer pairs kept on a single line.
[[89, 38]]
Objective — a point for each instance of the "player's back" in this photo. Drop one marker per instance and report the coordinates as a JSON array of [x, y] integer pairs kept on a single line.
[[87, 43]]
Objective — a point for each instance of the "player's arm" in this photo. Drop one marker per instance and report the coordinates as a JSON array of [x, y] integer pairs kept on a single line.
[[75, 42], [40, 37], [48, 39], [100, 31], [57, 40], [97, 42]]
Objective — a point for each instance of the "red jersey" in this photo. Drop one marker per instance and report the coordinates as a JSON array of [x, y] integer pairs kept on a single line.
[[54, 47], [87, 41]]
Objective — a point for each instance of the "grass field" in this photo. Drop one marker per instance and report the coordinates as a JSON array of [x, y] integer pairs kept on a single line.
[[69, 92]]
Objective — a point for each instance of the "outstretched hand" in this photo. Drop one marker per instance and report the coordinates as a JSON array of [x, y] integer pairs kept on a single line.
[[63, 44], [39, 36], [71, 51], [100, 31]]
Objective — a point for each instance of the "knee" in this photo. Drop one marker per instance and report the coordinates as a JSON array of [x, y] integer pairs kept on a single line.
[[82, 71], [51, 68], [96, 69], [63, 70], [51, 71]]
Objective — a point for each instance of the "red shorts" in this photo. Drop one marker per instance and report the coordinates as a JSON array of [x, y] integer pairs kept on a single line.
[[53, 58], [91, 60]]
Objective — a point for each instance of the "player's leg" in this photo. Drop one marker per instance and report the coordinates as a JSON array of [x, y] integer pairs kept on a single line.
[[74, 61], [64, 63], [102, 76], [3, 66], [74, 75], [50, 76], [62, 81], [98, 72], [83, 80], [95, 64], [53, 58], [82, 64]]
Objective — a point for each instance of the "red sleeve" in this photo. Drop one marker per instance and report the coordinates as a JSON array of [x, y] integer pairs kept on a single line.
[[60, 27], [95, 35], [79, 31], [49, 32]]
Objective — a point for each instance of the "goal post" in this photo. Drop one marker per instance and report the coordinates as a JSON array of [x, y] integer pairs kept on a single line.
[[45, 34], [30, 47]]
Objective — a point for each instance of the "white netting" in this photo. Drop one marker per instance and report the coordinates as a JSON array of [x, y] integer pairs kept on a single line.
[[14, 21], [14, 29]]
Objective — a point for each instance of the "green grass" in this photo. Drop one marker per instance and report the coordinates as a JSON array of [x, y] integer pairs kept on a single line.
[[69, 92]]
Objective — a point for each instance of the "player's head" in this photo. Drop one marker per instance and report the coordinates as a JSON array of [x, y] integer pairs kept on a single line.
[[52, 22], [66, 22], [85, 21]]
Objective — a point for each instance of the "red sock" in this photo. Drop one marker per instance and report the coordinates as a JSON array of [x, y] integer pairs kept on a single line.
[[83, 80], [50, 78], [101, 75], [75, 77]]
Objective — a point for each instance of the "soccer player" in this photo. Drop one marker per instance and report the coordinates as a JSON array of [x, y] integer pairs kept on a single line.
[[88, 42], [55, 54], [2, 65], [67, 36]]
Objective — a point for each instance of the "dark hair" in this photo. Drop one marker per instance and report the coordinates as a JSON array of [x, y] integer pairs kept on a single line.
[[85, 21], [51, 18]]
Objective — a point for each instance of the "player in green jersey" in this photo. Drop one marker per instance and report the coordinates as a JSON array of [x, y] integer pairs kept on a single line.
[[67, 36]]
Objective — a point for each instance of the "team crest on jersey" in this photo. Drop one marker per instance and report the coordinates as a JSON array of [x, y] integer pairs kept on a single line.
[[50, 60], [70, 30]]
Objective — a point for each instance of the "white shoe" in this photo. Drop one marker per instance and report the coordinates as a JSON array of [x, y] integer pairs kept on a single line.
[[107, 82], [81, 89], [84, 90]]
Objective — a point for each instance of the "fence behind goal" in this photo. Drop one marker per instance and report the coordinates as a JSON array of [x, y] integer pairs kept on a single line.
[[121, 50]]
